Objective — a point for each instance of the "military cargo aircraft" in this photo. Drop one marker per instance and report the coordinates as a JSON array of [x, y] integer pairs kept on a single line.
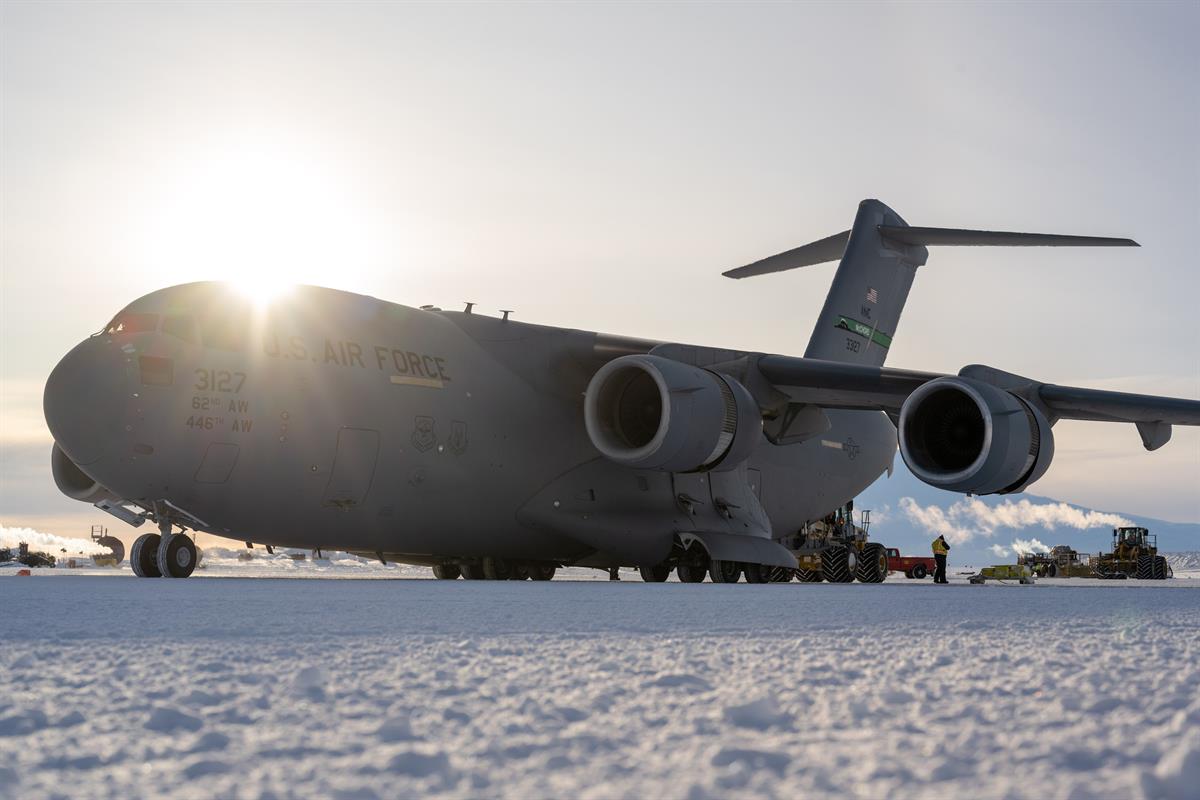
[[491, 448]]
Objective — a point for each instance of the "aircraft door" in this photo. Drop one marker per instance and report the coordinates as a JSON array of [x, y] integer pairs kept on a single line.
[[353, 468]]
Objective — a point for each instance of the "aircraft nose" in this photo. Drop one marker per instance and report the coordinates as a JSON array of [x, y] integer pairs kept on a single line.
[[84, 397]]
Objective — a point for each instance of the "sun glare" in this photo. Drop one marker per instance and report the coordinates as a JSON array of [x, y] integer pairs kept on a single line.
[[260, 215]]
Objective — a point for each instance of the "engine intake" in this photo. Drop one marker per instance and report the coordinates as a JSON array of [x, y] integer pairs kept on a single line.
[[74, 482], [650, 412], [967, 436]]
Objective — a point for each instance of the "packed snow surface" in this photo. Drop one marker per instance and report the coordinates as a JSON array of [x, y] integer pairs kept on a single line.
[[116, 687]]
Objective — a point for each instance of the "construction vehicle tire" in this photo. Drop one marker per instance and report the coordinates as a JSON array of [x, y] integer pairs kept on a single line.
[[1160, 568], [114, 544], [1145, 568], [808, 576], [919, 572], [872, 564], [778, 574], [1051, 571], [837, 564]]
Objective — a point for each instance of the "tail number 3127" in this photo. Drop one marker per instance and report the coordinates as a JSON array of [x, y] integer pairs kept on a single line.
[[219, 380]]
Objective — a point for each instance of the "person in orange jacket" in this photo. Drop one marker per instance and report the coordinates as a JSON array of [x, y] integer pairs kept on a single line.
[[940, 548]]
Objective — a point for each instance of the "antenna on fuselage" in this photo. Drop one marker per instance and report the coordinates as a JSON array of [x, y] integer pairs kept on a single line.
[[467, 310], [505, 312]]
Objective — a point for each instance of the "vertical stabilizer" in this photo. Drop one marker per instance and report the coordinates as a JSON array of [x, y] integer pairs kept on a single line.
[[862, 309]]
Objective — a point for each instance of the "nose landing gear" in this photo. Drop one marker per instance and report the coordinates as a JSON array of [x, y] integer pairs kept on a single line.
[[163, 554]]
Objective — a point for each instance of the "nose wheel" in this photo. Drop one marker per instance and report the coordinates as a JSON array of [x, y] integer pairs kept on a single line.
[[171, 555]]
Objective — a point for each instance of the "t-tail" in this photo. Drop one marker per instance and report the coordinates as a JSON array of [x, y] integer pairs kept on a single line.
[[878, 258]]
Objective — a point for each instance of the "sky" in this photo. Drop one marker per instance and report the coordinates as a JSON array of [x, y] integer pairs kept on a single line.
[[598, 166]]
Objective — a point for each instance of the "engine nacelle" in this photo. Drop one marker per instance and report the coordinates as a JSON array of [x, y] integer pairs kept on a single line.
[[73, 482], [963, 435], [650, 412]]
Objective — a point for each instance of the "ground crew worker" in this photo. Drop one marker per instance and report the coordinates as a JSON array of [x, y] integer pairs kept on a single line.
[[940, 548]]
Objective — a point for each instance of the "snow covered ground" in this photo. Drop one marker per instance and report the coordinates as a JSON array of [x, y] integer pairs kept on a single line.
[[115, 687]]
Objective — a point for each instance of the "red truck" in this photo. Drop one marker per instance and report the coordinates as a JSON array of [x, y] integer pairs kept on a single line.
[[913, 567]]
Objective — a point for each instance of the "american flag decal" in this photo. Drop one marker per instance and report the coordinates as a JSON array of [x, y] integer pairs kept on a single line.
[[872, 296]]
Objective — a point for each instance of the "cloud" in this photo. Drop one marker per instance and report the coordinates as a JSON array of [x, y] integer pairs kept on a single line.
[[971, 517], [999, 551], [47, 542], [1024, 546]]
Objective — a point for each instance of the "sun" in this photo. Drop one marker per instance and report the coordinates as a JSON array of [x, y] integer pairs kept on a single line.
[[258, 214]]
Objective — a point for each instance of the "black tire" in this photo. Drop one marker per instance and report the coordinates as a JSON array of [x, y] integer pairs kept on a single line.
[[144, 556], [473, 572], [519, 572], [1145, 568], [496, 569], [542, 572], [446, 572], [919, 572], [757, 573], [1160, 568], [691, 573], [724, 571], [835, 564], [176, 556], [779, 574], [1052, 570], [809, 576], [872, 564], [655, 574]]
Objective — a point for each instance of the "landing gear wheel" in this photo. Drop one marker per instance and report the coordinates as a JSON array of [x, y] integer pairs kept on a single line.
[[176, 556], [144, 556], [838, 564], [809, 576], [542, 572], [446, 572], [472, 572], [520, 572], [724, 571], [872, 564], [757, 573], [778, 574], [919, 572], [656, 574], [496, 569], [691, 573]]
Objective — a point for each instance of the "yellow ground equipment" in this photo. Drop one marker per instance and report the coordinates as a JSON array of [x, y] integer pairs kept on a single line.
[[1061, 562], [1134, 555], [1004, 572], [836, 550]]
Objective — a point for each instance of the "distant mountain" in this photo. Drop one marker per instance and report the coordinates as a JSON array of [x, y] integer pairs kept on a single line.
[[909, 514]]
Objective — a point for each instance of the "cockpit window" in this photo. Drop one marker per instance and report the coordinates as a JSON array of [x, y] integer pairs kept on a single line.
[[130, 322], [225, 330], [181, 326]]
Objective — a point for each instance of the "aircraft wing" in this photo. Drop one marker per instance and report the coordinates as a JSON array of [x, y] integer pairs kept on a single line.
[[831, 384]]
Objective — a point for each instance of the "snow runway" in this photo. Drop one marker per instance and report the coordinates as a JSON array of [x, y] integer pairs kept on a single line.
[[401, 688]]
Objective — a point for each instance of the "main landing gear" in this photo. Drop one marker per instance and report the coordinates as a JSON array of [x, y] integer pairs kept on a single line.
[[164, 554], [496, 569]]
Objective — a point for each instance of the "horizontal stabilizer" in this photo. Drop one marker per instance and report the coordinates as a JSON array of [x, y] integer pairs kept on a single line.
[[937, 237], [827, 249]]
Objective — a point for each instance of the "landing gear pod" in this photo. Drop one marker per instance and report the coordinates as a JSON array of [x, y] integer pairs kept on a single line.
[[963, 435], [649, 412]]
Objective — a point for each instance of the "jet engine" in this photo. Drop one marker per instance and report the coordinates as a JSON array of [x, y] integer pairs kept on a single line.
[[963, 435], [73, 482], [650, 412]]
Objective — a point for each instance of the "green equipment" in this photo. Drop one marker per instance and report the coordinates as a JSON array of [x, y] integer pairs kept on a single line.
[[1004, 572]]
